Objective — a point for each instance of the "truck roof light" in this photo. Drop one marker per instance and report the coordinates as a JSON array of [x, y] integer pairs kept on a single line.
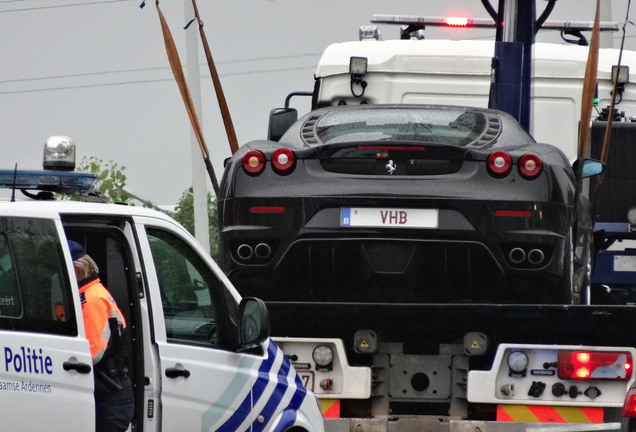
[[59, 153], [369, 32], [620, 74], [600, 365], [623, 73], [47, 180], [358, 66], [358, 69]]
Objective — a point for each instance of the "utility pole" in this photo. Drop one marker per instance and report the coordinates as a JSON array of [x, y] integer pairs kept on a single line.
[[199, 185]]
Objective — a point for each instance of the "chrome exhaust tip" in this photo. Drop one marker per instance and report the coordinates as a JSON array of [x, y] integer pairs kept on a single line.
[[244, 251], [517, 255], [262, 250], [536, 256]]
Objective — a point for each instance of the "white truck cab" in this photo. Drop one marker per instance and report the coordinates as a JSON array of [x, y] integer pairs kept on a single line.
[[201, 357], [459, 72]]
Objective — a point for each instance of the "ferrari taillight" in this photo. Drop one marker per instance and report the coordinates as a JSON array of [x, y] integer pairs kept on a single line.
[[499, 163], [530, 166], [283, 161], [629, 407], [595, 365], [253, 162]]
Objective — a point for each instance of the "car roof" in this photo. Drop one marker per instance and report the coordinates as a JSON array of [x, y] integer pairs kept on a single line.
[[48, 208]]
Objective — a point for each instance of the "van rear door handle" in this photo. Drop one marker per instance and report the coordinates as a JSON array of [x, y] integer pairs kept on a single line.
[[174, 372], [82, 368]]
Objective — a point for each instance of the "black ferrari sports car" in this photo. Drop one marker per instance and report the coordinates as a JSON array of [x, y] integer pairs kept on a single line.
[[404, 203]]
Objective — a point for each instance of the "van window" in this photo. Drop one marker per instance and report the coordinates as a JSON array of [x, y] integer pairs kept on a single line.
[[35, 291], [190, 292]]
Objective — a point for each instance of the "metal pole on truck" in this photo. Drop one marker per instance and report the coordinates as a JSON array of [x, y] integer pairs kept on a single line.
[[199, 185]]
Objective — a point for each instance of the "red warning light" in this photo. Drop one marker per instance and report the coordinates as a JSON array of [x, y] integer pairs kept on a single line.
[[603, 365], [456, 22]]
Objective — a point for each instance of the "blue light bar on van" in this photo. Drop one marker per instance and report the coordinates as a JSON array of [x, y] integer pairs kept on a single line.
[[48, 180]]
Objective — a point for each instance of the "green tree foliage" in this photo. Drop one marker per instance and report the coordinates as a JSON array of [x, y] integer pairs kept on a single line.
[[184, 214], [111, 185], [111, 179]]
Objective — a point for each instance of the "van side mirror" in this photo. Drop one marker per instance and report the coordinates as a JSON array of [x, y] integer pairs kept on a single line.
[[280, 119], [253, 323]]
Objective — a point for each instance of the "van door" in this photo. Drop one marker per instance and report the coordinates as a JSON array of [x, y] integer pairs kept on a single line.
[[46, 380], [205, 385]]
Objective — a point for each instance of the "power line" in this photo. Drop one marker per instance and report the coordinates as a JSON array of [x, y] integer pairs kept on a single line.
[[55, 6], [154, 68], [149, 81]]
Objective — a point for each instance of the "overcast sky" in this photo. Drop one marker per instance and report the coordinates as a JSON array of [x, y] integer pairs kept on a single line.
[[96, 70]]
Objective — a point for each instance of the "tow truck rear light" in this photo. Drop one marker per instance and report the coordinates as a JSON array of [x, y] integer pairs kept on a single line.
[[253, 162], [629, 407], [530, 166], [499, 163], [283, 161], [595, 365]]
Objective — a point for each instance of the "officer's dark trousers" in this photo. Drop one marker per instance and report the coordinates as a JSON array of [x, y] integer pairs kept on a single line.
[[114, 409]]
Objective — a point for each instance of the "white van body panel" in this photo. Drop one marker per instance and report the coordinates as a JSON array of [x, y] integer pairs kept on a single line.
[[37, 400], [36, 391]]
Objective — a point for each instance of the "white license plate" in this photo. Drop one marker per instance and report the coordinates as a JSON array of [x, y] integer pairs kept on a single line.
[[389, 217], [307, 378]]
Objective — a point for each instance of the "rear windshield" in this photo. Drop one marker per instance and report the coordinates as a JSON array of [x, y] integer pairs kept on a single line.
[[448, 126]]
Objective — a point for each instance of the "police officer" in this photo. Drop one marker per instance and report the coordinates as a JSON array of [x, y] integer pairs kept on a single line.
[[106, 332]]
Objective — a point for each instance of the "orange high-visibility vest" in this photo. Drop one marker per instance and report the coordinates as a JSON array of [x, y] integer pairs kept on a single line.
[[97, 307]]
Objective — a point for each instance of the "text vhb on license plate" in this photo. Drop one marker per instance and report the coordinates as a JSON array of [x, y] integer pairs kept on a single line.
[[389, 217]]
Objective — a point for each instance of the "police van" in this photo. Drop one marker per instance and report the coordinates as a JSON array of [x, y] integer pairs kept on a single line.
[[201, 358]]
